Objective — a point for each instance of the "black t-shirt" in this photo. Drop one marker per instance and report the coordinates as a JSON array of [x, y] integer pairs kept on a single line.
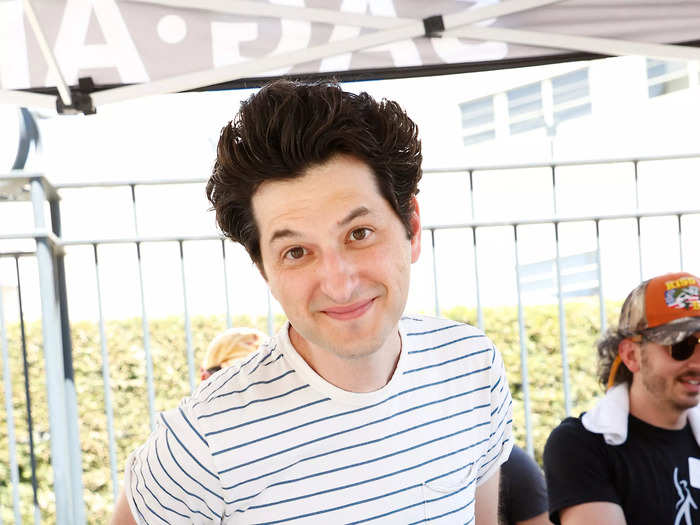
[[648, 475], [523, 490]]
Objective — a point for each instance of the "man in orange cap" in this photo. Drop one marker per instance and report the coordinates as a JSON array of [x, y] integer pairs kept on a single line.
[[228, 346], [635, 458]]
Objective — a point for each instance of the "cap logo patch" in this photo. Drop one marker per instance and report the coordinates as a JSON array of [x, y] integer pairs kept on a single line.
[[683, 294]]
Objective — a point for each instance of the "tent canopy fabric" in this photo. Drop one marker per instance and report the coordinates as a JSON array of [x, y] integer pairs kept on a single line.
[[75, 55]]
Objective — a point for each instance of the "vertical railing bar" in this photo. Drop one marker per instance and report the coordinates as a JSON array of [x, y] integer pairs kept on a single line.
[[435, 279], [523, 350], [562, 328], [554, 189], [27, 396], [53, 359], [144, 321], [228, 302], [563, 349], [71, 397], [106, 382], [601, 296], [639, 220], [680, 241], [188, 328], [479, 310], [9, 410]]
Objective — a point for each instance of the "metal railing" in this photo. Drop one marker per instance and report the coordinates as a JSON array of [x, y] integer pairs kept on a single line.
[[61, 393]]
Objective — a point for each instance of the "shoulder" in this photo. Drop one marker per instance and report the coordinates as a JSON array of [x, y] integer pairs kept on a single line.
[[570, 436], [425, 334], [578, 468], [520, 464], [423, 325], [571, 430], [257, 374]]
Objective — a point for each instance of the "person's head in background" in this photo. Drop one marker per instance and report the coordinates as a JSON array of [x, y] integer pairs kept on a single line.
[[229, 346], [653, 347]]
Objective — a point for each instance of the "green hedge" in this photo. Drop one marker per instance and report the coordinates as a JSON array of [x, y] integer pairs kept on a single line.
[[167, 336]]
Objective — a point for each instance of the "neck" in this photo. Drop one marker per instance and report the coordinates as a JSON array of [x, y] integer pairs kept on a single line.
[[365, 373], [651, 410]]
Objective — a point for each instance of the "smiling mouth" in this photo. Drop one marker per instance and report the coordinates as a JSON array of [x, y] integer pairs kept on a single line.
[[351, 311], [691, 384]]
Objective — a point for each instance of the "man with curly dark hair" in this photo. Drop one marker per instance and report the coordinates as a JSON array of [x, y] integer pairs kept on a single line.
[[353, 412], [635, 458]]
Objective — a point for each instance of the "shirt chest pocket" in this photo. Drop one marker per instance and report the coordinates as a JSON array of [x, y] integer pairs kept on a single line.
[[450, 496]]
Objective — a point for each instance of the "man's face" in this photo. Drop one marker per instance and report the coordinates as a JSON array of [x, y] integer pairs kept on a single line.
[[674, 384], [336, 257]]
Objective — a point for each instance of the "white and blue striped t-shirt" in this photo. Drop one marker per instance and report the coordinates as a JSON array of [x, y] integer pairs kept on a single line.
[[270, 441]]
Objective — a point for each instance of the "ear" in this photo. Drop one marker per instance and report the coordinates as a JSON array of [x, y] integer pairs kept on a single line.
[[631, 354], [416, 231]]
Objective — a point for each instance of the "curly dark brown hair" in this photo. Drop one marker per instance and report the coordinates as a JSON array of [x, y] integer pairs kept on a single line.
[[288, 127]]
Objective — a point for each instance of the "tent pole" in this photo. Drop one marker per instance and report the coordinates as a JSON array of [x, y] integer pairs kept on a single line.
[[61, 85]]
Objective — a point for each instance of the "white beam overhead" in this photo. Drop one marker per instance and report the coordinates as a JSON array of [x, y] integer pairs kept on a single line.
[[411, 29], [61, 85], [27, 99], [328, 16], [603, 46], [309, 14]]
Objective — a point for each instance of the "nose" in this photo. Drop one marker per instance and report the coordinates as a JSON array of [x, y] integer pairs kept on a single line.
[[338, 277]]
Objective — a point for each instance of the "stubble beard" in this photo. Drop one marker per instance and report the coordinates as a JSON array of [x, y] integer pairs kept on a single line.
[[656, 385]]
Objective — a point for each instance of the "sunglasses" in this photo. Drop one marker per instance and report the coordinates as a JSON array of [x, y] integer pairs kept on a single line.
[[679, 351]]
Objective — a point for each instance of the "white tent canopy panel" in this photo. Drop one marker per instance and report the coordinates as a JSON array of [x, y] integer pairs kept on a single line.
[[132, 48]]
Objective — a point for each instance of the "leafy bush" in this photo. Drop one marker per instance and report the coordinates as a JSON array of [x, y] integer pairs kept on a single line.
[[124, 342]]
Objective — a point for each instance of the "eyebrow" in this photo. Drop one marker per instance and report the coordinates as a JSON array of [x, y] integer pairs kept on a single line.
[[354, 214], [283, 234]]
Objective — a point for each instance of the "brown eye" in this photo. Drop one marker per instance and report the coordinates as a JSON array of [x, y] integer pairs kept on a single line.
[[295, 253], [359, 234]]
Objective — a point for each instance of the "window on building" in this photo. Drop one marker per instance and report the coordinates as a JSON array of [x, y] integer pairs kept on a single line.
[[478, 122], [666, 77], [525, 108], [571, 96]]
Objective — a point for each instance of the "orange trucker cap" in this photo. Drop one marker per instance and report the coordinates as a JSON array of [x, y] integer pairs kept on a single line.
[[665, 309]]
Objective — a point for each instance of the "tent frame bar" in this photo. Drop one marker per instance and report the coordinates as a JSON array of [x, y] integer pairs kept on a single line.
[[54, 69]]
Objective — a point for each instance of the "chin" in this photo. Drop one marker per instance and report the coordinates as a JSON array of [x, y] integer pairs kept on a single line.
[[686, 404], [353, 349]]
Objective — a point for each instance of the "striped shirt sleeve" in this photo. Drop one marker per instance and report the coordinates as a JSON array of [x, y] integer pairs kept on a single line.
[[501, 429], [171, 478]]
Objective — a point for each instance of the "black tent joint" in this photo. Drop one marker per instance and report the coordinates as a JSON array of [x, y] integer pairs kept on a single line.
[[81, 99], [434, 26]]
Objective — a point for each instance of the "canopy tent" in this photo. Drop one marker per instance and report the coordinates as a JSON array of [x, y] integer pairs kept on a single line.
[[76, 55]]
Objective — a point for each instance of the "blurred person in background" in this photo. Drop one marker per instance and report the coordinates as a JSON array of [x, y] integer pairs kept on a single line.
[[523, 495], [635, 457], [228, 346]]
